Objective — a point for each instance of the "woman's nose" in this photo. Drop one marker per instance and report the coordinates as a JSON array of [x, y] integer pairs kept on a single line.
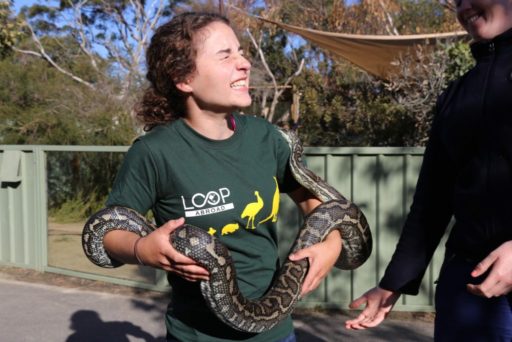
[[243, 63]]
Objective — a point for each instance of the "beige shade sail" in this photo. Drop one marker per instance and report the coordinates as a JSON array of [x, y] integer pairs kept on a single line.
[[373, 53]]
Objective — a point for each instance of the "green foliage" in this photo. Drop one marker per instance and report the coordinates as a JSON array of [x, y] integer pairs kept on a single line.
[[422, 78], [459, 59], [349, 109], [340, 104], [119, 29], [421, 16], [282, 64], [76, 209], [39, 105], [9, 29], [80, 174]]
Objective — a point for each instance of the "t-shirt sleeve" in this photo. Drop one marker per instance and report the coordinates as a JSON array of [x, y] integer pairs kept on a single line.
[[285, 178], [136, 182]]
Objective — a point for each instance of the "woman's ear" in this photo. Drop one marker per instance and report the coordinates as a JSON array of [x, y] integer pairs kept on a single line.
[[184, 86]]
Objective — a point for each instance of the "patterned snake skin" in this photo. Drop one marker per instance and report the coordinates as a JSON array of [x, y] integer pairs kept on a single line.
[[340, 213], [221, 292]]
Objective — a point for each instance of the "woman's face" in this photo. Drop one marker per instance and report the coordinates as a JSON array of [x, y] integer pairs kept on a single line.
[[221, 80], [484, 19]]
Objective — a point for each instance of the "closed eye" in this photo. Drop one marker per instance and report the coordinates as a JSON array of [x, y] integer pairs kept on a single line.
[[226, 53], [223, 54]]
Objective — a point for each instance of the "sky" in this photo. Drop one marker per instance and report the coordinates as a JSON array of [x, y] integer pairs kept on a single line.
[[20, 3]]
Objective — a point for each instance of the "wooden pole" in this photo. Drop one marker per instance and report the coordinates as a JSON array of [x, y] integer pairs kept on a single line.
[[221, 7]]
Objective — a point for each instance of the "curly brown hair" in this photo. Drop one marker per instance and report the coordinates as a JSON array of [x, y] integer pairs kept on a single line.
[[170, 59]]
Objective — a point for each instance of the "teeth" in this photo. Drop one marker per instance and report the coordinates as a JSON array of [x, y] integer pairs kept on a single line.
[[238, 84], [472, 18]]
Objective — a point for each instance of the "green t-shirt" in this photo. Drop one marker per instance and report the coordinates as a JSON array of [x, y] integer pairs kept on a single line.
[[229, 188]]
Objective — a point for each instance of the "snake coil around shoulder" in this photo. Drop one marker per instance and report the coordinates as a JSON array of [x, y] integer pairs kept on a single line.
[[221, 291]]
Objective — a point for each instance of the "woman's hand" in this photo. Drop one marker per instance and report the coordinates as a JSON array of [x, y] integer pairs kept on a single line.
[[499, 280], [379, 303], [322, 257], [156, 250]]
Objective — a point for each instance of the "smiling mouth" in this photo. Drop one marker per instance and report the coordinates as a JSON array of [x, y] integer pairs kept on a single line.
[[472, 18], [239, 84]]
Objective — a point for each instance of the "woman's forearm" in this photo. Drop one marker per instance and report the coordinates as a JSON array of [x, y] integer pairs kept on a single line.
[[120, 244]]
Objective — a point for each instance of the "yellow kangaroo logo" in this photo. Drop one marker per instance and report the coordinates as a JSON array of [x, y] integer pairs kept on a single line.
[[230, 228], [252, 209], [275, 205]]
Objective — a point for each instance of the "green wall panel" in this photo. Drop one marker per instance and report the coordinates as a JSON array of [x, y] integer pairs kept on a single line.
[[381, 181]]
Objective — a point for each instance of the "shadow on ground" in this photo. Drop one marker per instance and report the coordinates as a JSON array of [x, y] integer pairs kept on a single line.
[[88, 326]]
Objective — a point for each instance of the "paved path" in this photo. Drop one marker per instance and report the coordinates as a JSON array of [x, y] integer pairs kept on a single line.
[[40, 312]]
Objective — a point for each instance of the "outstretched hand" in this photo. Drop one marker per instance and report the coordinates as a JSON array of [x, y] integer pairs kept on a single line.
[[499, 280], [156, 250], [379, 303]]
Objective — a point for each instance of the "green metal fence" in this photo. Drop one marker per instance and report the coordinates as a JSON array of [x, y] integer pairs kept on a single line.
[[380, 180]]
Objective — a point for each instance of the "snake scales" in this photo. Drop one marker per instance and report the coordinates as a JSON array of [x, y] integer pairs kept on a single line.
[[221, 292]]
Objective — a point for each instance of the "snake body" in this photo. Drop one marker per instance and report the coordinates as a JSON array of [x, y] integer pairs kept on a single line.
[[221, 291], [353, 226]]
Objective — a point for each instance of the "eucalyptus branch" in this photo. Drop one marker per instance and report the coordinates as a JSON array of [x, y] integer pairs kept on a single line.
[[42, 54], [84, 41], [151, 23], [262, 58], [297, 73], [278, 90], [390, 26], [114, 53]]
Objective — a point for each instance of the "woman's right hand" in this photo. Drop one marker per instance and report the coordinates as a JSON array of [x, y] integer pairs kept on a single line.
[[156, 250]]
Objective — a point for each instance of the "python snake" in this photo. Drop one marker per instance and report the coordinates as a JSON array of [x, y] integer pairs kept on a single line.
[[221, 291]]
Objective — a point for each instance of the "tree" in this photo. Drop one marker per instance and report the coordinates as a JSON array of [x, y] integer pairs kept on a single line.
[[79, 67], [278, 88], [117, 31], [342, 105], [9, 29], [39, 105], [421, 79]]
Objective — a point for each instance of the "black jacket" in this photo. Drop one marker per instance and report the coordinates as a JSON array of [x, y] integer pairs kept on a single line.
[[466, 172]]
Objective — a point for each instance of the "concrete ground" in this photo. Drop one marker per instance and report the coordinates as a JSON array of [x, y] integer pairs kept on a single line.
[[52, 308]]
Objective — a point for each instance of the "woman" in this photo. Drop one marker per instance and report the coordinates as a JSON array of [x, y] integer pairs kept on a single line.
[[467, 174], [219, 170]]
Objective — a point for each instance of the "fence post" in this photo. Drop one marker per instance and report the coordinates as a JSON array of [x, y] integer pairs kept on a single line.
[[41, 209]]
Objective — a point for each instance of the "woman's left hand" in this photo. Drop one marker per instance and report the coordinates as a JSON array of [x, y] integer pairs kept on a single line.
[[499, 280], [322, 257]]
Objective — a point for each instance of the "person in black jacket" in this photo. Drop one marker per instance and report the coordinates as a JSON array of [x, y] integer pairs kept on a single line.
[[466, 175]]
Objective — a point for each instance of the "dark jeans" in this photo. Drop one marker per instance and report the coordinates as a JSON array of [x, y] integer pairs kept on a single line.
[[462, 316], [289, 338]]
